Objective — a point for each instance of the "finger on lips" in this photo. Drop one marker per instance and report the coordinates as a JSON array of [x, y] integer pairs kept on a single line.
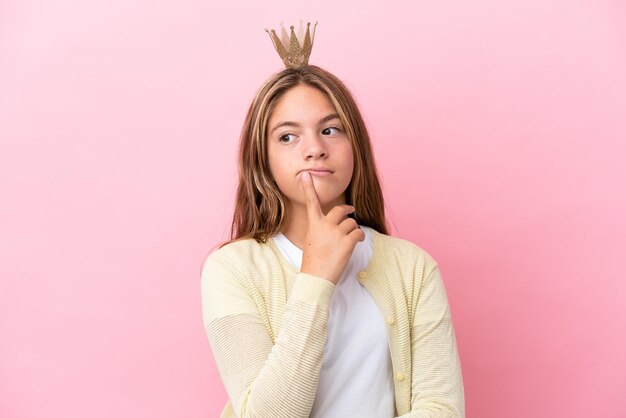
[[336, 214], [312, 201]]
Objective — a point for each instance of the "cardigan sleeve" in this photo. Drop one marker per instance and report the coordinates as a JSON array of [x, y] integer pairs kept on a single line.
[[262, 378], [436, 379]]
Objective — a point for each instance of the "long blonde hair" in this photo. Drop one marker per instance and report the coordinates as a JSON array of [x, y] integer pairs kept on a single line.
[[260, 206]]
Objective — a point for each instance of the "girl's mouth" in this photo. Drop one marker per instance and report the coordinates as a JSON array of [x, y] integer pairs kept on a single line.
[[320, 173]]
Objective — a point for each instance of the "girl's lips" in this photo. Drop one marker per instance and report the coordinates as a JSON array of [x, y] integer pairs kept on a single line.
[[320, 173]]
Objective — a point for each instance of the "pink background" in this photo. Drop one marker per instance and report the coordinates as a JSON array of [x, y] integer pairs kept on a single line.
[[499, 129]]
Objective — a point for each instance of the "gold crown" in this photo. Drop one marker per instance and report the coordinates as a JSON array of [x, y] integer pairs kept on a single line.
[[294, 51]]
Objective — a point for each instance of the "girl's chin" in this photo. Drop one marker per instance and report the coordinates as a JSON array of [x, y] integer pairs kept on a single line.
[[325, 204], [325, 201]]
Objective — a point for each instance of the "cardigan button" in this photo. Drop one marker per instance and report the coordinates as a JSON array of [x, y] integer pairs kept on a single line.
[[362, 275], [390, 319], [400, 376]]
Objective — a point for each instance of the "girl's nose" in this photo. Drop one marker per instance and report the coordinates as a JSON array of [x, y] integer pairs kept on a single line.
[[314, 147]]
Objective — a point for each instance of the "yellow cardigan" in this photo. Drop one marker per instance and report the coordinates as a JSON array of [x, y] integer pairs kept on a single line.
[[267, 326]]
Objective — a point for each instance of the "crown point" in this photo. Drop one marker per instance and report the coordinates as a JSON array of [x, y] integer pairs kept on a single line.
[[291, 27]]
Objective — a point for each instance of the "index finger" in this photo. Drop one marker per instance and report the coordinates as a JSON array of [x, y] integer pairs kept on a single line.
[[313, 209]]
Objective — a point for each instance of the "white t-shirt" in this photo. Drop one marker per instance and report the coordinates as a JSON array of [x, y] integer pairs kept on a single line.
[[356, 378]]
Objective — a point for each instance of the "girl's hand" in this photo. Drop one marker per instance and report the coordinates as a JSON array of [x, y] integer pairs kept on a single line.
[[330, 238]]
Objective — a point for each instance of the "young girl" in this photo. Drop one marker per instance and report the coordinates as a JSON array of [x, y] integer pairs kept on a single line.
[[311, 308]]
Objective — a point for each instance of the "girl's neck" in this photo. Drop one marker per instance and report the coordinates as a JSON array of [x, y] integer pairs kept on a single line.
[[295, 229]]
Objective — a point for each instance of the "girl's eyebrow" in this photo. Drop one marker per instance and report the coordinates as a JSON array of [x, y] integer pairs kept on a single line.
[[290, 123]]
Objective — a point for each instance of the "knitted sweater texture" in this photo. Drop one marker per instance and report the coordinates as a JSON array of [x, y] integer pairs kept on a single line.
[[267, 326]]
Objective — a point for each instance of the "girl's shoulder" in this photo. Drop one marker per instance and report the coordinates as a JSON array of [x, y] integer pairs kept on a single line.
[[240, 258], [237, 251], [238, 247], [397, 249]]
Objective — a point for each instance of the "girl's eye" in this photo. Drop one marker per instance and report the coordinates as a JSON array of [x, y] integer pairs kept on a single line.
[[281, 138], [285, 137], [332, 127]]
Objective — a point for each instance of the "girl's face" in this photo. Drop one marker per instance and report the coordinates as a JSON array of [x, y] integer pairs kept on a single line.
[[304, 132]]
